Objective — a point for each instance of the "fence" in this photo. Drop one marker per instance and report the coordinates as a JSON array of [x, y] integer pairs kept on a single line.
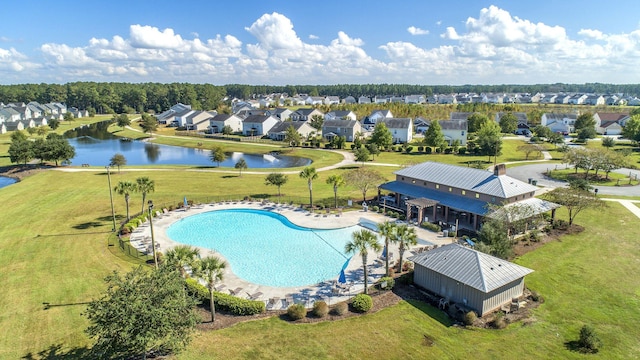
[[255, 139]]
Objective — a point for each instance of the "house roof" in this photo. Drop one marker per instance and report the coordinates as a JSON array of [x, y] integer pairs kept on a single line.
[[221, 117], [460, 115], [339, 123], [521, 116], [340, 113], [450, 124], [560, 116], [607, 116], [470, 267], [284, 125], [481, 181], [257, 119], [306, 112], [397, 123]]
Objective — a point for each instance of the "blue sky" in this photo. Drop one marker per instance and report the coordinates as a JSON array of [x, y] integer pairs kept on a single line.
[[328, 42]]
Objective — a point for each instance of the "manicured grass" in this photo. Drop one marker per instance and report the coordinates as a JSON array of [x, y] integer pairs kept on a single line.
[[614, 178]]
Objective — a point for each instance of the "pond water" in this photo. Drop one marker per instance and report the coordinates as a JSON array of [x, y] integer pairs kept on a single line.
[[95, 146], [6, 181]]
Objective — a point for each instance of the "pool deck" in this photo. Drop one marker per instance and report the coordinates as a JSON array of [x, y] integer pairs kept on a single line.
[[303, 294]]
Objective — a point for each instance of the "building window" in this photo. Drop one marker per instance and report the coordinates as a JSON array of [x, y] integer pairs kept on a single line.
[[424, 183], [477, 196], [462, 133], [464, 192], [403, 178], [450, 189], [437, 186], [413, 181]]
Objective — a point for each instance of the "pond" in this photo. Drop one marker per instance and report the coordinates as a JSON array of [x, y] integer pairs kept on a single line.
[[6, 181], [96, 146]]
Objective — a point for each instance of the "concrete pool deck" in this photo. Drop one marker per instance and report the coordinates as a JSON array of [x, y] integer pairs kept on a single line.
[[301, 294]]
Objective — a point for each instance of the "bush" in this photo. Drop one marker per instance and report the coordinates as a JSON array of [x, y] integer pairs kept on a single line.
[[561, 224], [320, 309], [535, 296], [420, 148], [462, 150], [470, 318], [362, 303], [389, 283], [451, 233], [395, 215], [408, 149], [340, 309], [430, 226], [428, 150], [389, 213], [438, 150], [589, 340], [448, 150], [499, 322], [224, 302], [375, 208], [296, 312]]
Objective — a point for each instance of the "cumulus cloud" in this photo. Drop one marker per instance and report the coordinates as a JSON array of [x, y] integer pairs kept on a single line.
[[417, 31], [492, 47]]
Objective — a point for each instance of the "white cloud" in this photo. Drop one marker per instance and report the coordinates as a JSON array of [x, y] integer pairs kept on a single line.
[[494, 47], [417, 31], [150, 37], [594, 34]]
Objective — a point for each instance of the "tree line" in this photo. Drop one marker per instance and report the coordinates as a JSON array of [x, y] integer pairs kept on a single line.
[[112, 97]]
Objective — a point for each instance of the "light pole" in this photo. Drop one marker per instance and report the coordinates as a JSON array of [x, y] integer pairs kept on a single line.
[[113, 213], [153, 239]]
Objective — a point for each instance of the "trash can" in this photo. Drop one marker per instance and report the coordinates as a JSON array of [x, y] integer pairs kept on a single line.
[[445, 233], [530, 180], [534, 182]]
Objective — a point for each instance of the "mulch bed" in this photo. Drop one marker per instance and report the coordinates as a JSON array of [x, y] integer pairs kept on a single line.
[[523, 247]]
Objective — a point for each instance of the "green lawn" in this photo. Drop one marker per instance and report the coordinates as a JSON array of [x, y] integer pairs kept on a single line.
[[614, 178], [54, 249]]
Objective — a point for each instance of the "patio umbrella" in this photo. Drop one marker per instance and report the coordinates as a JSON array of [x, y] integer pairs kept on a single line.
[[384, 252], [186, 204], [342, 279]]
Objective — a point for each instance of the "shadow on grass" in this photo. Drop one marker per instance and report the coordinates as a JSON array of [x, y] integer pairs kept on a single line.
[[88, 225], [574, 345], [57, 352], [47, 306], [229, 176], [433, 312], [349, 167], [110, 218], [72, 234]]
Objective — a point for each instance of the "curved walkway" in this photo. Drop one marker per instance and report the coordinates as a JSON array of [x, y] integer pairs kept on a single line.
[[304, 294]]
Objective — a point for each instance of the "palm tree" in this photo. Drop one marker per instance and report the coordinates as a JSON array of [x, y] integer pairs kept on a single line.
[[125, 188], [211, 270], [145, 186], [241, 165], [405, 237], [181, 256], [363, 240], [309, 173], [336, 181], [388, 230]]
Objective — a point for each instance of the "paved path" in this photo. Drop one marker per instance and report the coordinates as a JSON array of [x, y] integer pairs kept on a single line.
[[299, 217]]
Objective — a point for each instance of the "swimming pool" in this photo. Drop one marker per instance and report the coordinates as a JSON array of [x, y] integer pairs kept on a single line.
[[265, 248]]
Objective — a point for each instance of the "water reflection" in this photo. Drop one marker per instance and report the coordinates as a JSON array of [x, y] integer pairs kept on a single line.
[[95, 146]]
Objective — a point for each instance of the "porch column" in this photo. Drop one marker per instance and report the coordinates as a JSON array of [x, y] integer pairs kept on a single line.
[[446, 214], [408, 211], [433, 215], [419, 215], [553, 216], [475, 221]]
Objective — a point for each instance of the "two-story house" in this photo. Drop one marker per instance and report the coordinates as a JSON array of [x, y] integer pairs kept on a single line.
[[401, 129], [340, 115], [258, 125], [218, 122], [305, 114], [346, 128]]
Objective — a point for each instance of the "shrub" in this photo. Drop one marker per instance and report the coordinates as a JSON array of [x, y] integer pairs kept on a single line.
[[448, 150], [296, 312], [428, 150], [589, 340], [320, 309], [225, 302], [561, 224], [535, 296], [470, 318], [408, 149], [340, 309], [362, 303], [395, 215], [374, 208], [420, 148], [402, 217], [406, 279], [451, 233], [430, 226], [389, 213], [499, 322], [388, 283], [462, 150]]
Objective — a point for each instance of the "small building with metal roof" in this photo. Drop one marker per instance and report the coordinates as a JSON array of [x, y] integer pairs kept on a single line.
[[476, 280], [460, 195]]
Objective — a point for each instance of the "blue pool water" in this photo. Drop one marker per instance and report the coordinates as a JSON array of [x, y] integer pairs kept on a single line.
[[265, 248], [5, 181]]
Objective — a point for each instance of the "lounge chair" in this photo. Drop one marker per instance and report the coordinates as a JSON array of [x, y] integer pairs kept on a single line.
[[271, 304], [255, 295], [289, 300], [236, 291], [220, 287]]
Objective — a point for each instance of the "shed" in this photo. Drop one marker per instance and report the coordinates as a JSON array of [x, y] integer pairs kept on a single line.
[[462, 275]]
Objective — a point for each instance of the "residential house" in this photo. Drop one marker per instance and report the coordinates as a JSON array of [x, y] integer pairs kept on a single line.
[[14, 126], [549, 99], [340, 115], [24, 111], [456, 115], [314, 100], [40, 121], [279, 131], [415, 99], [281, 114], [377, 115], [167, 117], [577, 99], [346, 128], [469, 279], [331, 100], [495, 98], [633, 101], [349, 100], [559, 122], [180, 119], [52, 109], [447, 99], [401, 129], [421, 125], [523, 122], [258, 125], [594, 100], [451, 129], [306, 114], [610, 123], [562, 99], [199, 120], [37, 110], [380, 100], [364, 100], [219, 121], [77, 113], [10, 114], [450, 194]]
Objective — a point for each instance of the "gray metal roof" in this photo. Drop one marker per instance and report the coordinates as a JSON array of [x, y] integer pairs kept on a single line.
[[257, 119], [460, 115], [560, 116], [397, 123], [347, 124], [481, 181], [470, 267], [284, 125]]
